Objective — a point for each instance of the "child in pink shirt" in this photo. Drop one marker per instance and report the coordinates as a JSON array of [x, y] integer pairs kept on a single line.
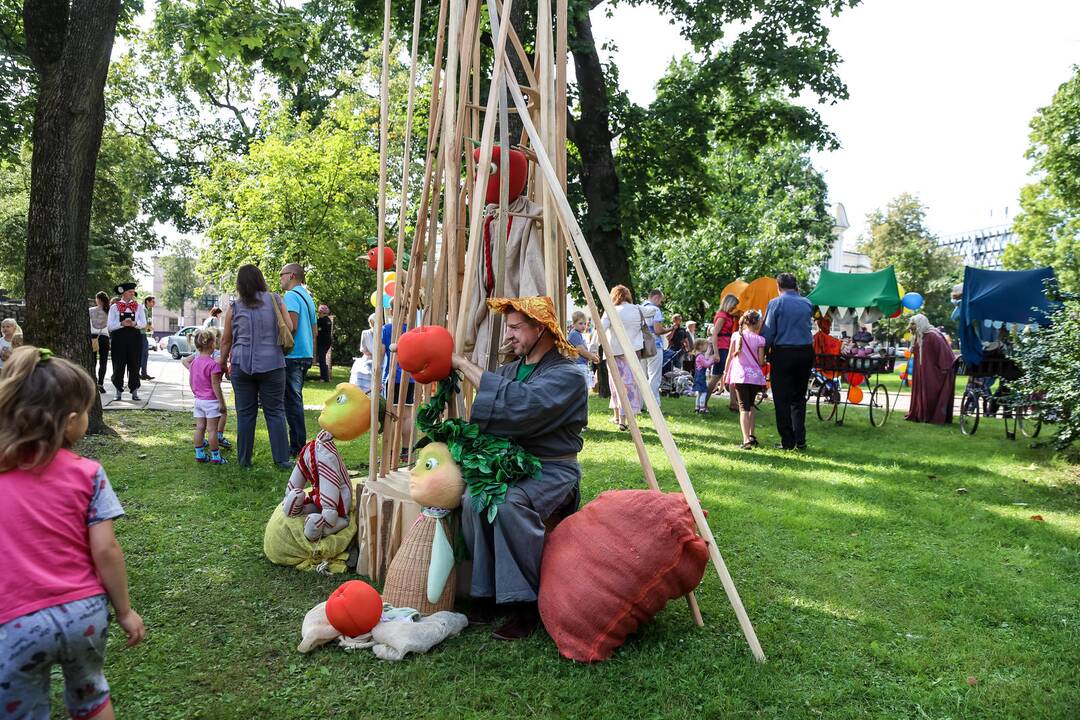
[[60, 564], [205, 379], [744, 363]]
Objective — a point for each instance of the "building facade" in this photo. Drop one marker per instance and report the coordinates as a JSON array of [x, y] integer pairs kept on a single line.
[[980, 248], [168, 322]]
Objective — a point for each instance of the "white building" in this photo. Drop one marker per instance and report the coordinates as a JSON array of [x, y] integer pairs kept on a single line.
[[843, 259], [980, 248]]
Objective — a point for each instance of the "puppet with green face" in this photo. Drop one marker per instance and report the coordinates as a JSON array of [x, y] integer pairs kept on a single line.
[[421, 575]]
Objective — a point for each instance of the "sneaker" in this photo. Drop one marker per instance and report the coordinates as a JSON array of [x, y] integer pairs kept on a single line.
[[101, 389], [224, 442], [135, 397], [200, 454], [216, 459], [285, 465], [119, 395]]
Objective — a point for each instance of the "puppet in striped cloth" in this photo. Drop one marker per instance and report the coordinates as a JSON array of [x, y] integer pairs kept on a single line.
[[346, 416]]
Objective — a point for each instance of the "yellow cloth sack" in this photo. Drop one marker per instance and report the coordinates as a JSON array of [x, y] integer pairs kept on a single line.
[[284, 544]]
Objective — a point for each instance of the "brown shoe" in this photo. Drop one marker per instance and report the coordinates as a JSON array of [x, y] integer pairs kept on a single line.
[[523, 621], [481, 611]]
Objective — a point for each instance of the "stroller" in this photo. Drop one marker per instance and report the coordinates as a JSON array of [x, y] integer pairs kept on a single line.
[[674, 381]]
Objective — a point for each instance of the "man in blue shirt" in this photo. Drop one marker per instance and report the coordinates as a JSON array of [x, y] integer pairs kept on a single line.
[[302, 313], [788, 336]]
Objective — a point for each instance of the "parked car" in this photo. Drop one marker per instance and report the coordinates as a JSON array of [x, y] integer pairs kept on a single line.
[[180, 344]]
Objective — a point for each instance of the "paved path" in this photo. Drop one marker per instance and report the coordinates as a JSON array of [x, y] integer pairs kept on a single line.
[[169, 390]]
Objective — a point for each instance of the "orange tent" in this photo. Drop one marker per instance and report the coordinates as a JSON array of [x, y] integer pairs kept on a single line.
[[757, 295], [735, 287]]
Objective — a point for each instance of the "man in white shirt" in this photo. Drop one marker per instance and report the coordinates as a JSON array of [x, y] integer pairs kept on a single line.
[[654, 318]]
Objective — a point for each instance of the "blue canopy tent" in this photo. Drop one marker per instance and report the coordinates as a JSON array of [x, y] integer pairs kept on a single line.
[[997, 298]]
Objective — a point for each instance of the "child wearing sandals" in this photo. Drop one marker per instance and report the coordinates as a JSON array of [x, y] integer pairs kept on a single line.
[[61, 565], [743, 370], [205, 379]]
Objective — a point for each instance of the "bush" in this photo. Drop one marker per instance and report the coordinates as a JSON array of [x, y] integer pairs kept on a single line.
[[1050, 358]]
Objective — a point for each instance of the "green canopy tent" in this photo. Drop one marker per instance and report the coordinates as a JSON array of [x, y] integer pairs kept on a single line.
[[867, 297]]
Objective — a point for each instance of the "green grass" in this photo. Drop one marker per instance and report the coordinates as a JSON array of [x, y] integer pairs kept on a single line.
[[876, 588]]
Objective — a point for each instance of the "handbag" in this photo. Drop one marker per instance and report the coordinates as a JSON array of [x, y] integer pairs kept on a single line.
[[648, 348], [94, 344], [285, 337]]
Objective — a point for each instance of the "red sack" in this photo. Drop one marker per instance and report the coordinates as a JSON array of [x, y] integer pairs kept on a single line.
[[613, 565]]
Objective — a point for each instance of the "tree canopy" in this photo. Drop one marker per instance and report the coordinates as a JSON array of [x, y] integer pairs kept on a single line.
[[1048, 225]]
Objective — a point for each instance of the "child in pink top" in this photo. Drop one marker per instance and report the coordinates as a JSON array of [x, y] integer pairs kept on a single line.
[[205, 379], [744, 363], [703, 360], [60, 564]]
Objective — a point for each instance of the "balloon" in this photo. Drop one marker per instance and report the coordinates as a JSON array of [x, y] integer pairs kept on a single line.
[[375, 299], [912, 301], [387, 301], [854, 378], [898, 311], [389, 277], [390, 288], [854, 394], [907, 353]]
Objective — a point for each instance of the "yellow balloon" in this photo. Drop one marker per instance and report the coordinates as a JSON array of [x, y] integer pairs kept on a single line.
[[387, 277], [375, 299]]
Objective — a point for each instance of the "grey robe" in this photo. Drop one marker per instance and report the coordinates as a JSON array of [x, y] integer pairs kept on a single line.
[[545, 414]]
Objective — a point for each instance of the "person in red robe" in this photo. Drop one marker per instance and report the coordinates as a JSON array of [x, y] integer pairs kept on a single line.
[[826, 344], [935, 377]]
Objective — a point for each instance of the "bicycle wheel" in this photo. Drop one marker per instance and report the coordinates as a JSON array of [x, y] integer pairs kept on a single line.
[[969, 413], [1030, 424], [826, 408], [879, 405]]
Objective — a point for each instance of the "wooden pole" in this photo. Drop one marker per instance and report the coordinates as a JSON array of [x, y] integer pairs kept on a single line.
[[384, 130], [546, 76], [624, 402], [662, 430], [483, 172], [561, 51]]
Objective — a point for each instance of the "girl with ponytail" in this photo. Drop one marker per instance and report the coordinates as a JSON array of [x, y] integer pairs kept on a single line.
[[60, 564]]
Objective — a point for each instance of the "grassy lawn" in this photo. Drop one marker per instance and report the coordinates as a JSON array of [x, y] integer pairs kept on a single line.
[[875, 587]]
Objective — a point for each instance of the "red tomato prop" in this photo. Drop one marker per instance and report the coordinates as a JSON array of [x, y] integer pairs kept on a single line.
[[425, 353], [854, 395], [354, 608], [387, 261], [519, 170]]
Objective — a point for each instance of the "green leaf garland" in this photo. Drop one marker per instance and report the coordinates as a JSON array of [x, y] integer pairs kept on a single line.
[[489, 464]]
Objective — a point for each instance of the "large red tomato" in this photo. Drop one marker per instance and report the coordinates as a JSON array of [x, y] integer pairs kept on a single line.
[[425, 352], [354, 608], [519, 169]]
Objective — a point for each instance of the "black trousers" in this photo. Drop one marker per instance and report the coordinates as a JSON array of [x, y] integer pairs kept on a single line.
[[320, 354], [102, 357], [790, 375], [127, 345]]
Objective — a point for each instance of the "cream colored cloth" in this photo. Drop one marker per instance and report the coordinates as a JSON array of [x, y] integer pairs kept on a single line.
[[524, 272]]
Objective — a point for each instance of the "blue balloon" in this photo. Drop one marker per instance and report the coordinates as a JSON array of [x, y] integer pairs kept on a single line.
[[387, 301], [912, 301]]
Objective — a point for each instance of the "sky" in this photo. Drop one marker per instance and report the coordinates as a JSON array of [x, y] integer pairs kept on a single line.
[[941, 96]]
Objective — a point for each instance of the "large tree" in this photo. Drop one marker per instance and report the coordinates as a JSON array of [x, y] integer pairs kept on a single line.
[[1048, 224], [70, 45], [180, 282], [898, 236], [765, 213]]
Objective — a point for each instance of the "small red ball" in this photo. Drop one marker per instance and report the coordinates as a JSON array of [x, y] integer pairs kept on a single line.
[[354, 608], [388, 259]]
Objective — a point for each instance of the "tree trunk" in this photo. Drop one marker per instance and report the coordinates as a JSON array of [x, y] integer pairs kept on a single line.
[[591, 133], [70, 48]]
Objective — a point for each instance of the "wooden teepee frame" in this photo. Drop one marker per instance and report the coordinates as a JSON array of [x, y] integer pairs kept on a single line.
[[441, 275]]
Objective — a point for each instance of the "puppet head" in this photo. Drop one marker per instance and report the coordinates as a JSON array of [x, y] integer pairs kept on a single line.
[[436, 479], [519, 170], [347, 413]]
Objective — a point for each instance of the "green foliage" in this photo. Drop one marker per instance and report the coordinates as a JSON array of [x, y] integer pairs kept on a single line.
[[180, 282], [308, 195], [489, 464], [119, 225], [1048, 224], [1050, 358], [765, 214], [899, 237]]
